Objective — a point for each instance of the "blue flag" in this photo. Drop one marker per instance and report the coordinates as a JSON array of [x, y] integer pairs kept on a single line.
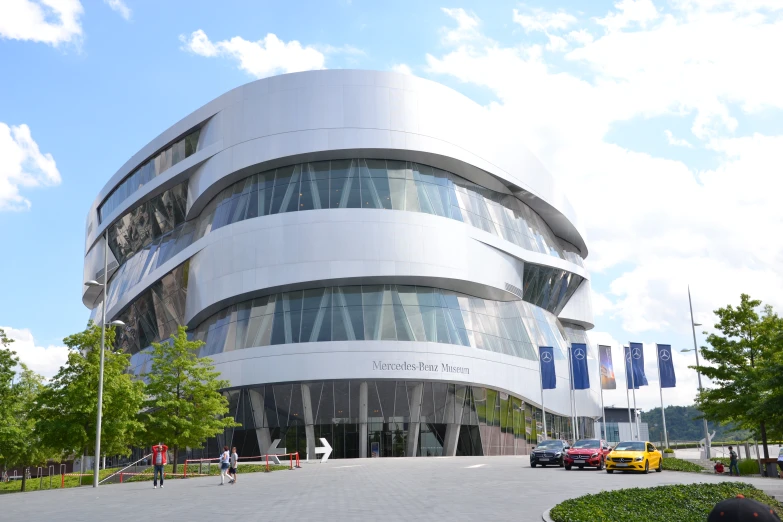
[[579, 366], [637, 356], [628, 379], [546, 356], [666, 366]]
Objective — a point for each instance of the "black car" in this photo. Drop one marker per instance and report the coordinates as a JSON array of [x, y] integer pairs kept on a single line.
[[549, 452]]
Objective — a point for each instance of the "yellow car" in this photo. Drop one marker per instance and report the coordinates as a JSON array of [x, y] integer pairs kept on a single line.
[[634, 455]]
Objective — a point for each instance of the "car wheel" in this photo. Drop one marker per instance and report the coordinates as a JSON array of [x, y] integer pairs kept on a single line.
[[532, 464], [600, 465], [562, 463], [646, 466], [660, 466], [567, 468], [610, 471]]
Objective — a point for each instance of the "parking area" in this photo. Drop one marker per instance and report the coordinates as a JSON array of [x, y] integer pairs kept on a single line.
[[461, 488]]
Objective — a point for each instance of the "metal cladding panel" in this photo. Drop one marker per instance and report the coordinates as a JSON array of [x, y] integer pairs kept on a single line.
[[327, 111], [386, 360]]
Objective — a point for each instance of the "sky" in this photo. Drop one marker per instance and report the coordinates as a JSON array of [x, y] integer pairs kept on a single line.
[[661, 120]]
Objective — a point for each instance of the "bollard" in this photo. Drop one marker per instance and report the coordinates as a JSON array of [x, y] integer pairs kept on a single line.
[[267, 462], [291, 460], [120, 478], [62, 481], [297, 460], [185, 471]]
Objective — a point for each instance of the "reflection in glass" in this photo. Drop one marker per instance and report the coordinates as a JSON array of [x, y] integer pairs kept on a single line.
[[153, 167], [155, 231], [382, 312]]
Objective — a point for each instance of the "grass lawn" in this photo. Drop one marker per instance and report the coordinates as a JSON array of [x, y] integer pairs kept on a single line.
[[35, 484]]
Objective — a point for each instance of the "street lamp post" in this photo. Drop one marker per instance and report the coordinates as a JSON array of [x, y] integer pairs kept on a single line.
[[104, 285], [707, 445]]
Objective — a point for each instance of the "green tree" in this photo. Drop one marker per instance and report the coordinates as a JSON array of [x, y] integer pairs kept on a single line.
[[770, 404], [66, 418], [184, 406], [735, 357], [20, 443]]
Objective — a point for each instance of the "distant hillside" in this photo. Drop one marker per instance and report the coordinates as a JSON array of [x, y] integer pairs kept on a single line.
[[684, 423]]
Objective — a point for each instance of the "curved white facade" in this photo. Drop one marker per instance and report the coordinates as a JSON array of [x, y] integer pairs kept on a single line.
[[360, 231]]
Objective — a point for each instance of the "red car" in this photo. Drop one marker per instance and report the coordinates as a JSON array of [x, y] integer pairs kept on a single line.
[[587, 452]]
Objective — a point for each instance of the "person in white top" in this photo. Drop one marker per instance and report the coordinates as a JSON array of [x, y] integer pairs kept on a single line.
[[225, 459], [232, 469], [780, 462]]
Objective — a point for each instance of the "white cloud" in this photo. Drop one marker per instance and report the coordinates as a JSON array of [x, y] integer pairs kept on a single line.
[[22, 166], [629, 12], [582, 36], [467, 27], [677, 142], [43, 360], [48, 21], [556, 43], [402, 68], [120, 7], [655, 224], [262, 58], [540, 20]]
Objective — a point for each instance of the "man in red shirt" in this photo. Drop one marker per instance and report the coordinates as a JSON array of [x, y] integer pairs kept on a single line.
[[158, 460]]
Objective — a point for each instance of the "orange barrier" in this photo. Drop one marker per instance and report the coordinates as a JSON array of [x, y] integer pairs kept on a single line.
[[291, 457]]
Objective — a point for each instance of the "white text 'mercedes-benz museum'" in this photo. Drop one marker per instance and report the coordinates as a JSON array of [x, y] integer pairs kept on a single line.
[[366, 259]]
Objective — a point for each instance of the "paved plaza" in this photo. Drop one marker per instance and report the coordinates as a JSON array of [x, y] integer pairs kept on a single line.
[[463, 488]]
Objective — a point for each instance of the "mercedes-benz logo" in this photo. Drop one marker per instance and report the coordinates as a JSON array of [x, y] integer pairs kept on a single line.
[[579, 353], [546, 357], [665, 355], [637, 353], [628, 356]]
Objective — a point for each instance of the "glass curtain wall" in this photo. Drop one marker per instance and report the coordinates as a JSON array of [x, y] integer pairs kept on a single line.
[[383, 312], [149, 235], [152, 168], [487, 422]]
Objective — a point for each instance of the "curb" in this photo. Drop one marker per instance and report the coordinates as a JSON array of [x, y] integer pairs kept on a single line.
[[545, 515]]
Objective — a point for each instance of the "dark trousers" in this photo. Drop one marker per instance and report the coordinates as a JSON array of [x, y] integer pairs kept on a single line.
[[158, 469], [734, 467]]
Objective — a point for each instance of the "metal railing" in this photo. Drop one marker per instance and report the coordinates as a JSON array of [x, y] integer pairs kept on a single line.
[[125, 468]]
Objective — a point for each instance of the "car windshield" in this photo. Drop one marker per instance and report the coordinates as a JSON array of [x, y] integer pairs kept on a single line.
[[550, 444], [591, 444], [630, 446]]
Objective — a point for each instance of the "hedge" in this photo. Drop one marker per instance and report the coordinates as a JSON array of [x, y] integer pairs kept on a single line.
[[672, 464], [684, 503]]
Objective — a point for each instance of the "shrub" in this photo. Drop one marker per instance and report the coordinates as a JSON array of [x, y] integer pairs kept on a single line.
[[668, 450], [684, 503], [681, 465]]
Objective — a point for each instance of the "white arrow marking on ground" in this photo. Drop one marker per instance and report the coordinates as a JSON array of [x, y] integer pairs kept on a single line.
[[326, 450], [274, 450], [475, 466]]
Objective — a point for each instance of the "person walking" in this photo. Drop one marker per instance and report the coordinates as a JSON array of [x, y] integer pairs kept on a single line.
[[733, 462], [159, 453], [225, 460], [232, 469]]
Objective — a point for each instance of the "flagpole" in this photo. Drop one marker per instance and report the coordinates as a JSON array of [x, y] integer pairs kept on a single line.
[[571, 396], [601, 388], [628, 370], [660, 389], [576, 411], [541, 381], [633, 392]]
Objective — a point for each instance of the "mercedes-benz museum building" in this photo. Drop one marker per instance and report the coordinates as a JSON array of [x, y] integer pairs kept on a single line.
[[367, 258]]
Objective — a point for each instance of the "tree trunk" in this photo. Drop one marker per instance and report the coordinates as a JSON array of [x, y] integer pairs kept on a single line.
[[24, 480], [176, 457], [764, 439]]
